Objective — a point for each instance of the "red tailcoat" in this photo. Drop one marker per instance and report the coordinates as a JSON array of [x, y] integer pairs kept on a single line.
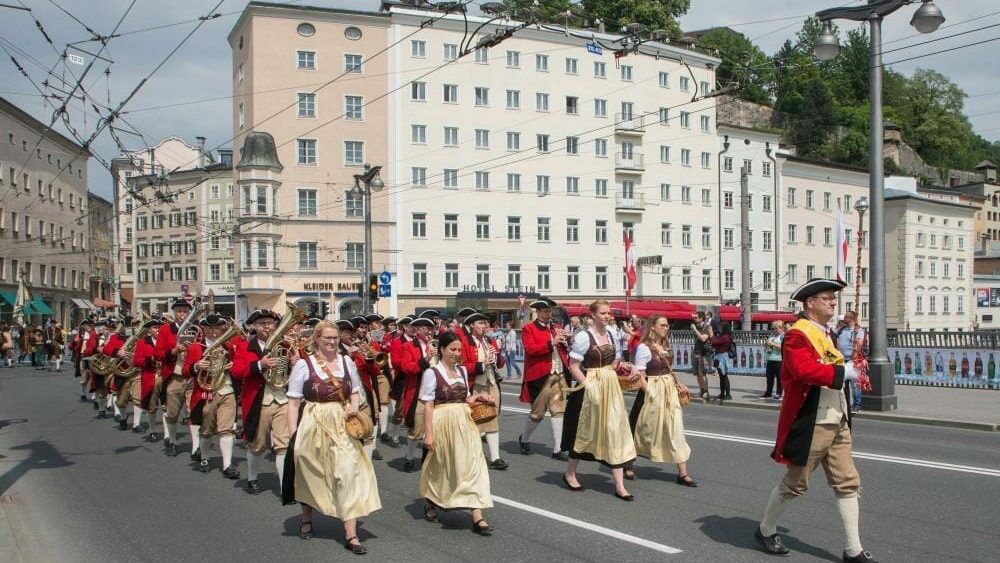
[[87, 350], [537, 339], [246, 367], [470, 357], [110, 349], [411, 353], [145, 359], [367, 377], [802, 374], [166, 341], [195, 353]]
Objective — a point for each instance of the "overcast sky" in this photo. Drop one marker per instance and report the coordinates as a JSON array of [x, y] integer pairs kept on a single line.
[[201, 71]]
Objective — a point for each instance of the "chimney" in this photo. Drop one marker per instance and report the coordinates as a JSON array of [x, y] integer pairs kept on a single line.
[[953, 181], [201, 151], [988, 170]]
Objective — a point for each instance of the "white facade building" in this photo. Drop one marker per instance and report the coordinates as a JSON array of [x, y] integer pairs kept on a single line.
[[518, 168]]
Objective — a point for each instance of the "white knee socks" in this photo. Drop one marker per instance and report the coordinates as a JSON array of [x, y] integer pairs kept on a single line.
[[776, 504], [529, 428], [383, 421], [118, 411], [59, 364], [279, 467], [557, 427], [226, 445], [848, 509], [167, 434], [411, 448], [493, 445], [195, 440], [252, 460], [137, 412]]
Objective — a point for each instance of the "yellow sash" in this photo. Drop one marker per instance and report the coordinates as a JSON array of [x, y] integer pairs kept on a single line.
[[822, 343]]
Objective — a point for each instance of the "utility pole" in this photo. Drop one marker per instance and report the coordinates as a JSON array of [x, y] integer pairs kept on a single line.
[[370, 179], [745, 248]]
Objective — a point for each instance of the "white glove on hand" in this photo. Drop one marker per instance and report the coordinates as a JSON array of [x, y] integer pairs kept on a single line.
[[850, 374]]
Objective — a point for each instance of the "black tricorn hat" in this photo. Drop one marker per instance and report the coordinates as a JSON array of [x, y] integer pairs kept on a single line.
[[179, 302], [430, 314], [422, 322], [344, 324], [475, 317], [262, 314], [466, 311], [816, 286], [213, 319], [542, 303]]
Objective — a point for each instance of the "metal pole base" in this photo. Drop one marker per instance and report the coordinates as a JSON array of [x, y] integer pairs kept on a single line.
[[883, 394]]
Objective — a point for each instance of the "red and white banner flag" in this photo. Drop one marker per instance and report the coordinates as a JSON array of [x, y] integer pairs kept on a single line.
[[842, 246], [630, 274]]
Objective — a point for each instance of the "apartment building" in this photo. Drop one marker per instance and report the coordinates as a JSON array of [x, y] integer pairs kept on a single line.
[[102, 223], [519, 167], [309, 112], [44, 208], [176, 211], [929, 254], [812, 193]]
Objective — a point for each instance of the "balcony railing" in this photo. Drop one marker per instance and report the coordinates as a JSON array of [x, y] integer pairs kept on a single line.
[[629, 163], [630, 201], [630, 123]]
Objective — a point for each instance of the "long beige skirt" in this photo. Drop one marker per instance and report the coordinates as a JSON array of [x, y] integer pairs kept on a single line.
[[454, 474], [659, 430], [332, 473], [603, 430]]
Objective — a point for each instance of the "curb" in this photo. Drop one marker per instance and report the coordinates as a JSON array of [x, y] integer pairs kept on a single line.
[[904, 419]]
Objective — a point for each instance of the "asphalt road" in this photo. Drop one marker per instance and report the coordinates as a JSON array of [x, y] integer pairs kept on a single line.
[[73, 488]]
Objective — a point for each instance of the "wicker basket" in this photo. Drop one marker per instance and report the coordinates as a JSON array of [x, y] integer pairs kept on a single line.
[[683, 396], [627, 385], [359, 427], [483, 413]]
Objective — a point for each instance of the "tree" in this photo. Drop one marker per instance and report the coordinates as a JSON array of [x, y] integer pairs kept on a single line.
[[743, 63], [654, 14]]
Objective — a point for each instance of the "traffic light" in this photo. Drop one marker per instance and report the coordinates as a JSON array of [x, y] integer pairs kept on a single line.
[[373, 287]]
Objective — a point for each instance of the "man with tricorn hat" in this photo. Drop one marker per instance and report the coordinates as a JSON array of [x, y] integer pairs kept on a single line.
[[482, 360], [546, 355], [168, 349], [814, 426]]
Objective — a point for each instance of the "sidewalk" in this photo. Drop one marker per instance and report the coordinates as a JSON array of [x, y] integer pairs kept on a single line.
[[974, 409]]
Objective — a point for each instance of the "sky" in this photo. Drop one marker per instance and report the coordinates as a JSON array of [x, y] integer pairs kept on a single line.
[[189, 95]]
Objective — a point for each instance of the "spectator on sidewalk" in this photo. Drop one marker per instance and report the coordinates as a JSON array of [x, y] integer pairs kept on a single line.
[[723, 346], [772, 351], [508, 344], [851, 337], [573, 327], [6, 344], [701, 360]]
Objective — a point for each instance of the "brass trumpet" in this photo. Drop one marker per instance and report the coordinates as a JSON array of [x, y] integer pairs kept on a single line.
[[379, 358], [277, 375], [435, 356]]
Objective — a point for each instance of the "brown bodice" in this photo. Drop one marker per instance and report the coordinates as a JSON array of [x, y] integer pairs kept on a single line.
[[659, 364], [454, 393], [599, 356], [318, 390]]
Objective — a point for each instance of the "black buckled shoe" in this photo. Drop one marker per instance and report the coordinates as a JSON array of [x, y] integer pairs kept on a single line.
[[863, 557], [203, 466], [354, 546], [254, 488], [408, 465], [96, 405], [499, 464], [101, 414], [232, 473], [376, 455], [123, 424], [771, 544], [484, 530], [525, 446], [138, 430], [170, 449], [686, 480], [196, 455], [561, 456], [118, 418], [152, 437]]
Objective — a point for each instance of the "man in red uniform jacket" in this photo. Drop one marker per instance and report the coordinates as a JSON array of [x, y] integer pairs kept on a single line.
[[144, 359], [84, 345], [213, 411], [173, 387], [546, 355], [814, 423], [114, 344], [262, 404], [350, 336], [397, 340], [483, 361], [414, 360]]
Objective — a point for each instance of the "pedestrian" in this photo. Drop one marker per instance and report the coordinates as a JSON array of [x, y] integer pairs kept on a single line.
[[625, 334], [702, 353], [454, 474], [415, 358], [329, 470], [39, 356], [772, 353], [84, 345], [723, 346], [814, 425], [55, 340], [574, 326], [546, 356], [851, 341], [656, 419], [636, 337], [24, 347], [596, 424], [147, 400], [482, 361], [510, 347], [6, 345]]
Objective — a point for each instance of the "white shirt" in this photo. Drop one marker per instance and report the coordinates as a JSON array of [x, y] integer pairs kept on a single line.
[[642, 356], [581, 343], [300, 375], [428, 382]]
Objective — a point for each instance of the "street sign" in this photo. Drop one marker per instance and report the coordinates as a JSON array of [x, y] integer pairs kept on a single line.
[[184, 288], [189, 298], [385, 278], [595, 49], [385, 290], [75, 59]]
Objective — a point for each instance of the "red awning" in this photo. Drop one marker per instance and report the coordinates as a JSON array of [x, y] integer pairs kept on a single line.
[[102, 303], [771, 316], [729, 313]]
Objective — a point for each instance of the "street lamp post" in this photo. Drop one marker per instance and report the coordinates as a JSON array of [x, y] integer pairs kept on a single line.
[[926, 19], [370, 178], [860, 206]]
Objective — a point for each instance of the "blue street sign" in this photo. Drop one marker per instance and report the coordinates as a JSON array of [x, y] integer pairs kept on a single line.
[[595, 49], [385, 278], [385, 290]]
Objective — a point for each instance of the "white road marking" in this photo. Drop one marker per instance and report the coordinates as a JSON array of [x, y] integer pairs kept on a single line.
[[588, 526], [859, 455]]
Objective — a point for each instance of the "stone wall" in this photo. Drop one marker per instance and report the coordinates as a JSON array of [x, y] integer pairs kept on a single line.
[[741, 113]]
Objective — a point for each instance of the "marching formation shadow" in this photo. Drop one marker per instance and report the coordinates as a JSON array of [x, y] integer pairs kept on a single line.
[[41, 455]]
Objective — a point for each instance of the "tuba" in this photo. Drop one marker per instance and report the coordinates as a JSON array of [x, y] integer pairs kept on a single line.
[[187, 333], [435, 356], [277, 375], [123, 366], [215, 376]]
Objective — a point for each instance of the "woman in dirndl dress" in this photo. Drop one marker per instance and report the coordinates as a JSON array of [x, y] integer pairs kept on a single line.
[[454, 474], [595, 425], [656, 419], [329, 469]]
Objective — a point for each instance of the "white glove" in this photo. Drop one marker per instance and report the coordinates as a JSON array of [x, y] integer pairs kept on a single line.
[[850, 374]]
